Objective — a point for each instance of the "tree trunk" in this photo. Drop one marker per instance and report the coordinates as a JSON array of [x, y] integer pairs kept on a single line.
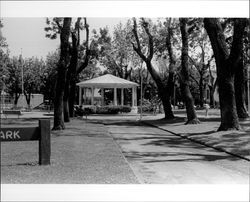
[[66, 97], [72, 78], [226, 66], [240, 93], [188, 98], [16, 97], [66, 111], [211, 96], [166, 102], [163, 92], [201, 89], [227, 104], [72, 96], [61, 75]]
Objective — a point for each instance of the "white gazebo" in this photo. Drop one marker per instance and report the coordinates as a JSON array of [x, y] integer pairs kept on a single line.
[[107, 81]]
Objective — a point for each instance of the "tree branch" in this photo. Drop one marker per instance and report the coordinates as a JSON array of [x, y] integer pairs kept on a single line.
[[150, 39], [58, 24], [237, 45], [138, 48], [194, 79], [87, 53]]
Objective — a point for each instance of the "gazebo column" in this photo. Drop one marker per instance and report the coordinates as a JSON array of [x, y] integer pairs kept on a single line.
[[80, 96], [85, 95], [115, 96], [134, 100], [92, 95], [122, 96], [133, 96], [102, 95]]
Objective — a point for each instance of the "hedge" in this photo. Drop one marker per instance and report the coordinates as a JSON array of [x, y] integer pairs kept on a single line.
[[79, 111]]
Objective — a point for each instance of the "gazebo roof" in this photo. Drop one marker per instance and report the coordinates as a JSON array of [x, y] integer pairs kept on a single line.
[[107, 81]]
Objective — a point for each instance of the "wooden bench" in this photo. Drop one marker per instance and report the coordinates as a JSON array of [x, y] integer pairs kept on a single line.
[[10, 112]]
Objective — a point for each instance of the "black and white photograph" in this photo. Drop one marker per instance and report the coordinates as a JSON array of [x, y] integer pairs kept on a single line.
[[114, 101]]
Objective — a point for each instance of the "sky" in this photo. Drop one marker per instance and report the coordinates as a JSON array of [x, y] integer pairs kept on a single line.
[[24, 21], [27, 35]]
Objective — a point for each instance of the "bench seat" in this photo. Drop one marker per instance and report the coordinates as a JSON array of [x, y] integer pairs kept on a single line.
[[10, 112]]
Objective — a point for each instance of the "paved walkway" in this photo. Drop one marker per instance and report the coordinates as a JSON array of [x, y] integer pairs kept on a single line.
[[157, 156], [233, 142]]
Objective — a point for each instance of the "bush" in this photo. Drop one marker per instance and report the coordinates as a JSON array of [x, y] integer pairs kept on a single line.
[[147, 106], [79, 111], [125, 109], [112, 109]]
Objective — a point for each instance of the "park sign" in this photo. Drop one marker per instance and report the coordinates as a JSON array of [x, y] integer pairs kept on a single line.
[[40, 133], [19, 134]]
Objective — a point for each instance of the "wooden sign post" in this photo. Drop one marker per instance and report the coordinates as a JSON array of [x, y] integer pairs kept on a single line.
[[41, 134]]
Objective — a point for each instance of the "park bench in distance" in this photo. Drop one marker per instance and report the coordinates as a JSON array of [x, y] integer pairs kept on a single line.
[[12, 112]]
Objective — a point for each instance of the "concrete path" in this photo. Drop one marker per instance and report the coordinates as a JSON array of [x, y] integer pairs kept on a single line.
[[157, 156]]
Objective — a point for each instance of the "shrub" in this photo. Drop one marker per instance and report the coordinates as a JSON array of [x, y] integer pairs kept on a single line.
[[125, 109], [112, 109], [79, 111], [147, 106]]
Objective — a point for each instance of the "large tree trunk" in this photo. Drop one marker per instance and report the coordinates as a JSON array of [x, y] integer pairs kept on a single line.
[[70, 88], [240, 93], [66, 97], [188, 98], [212, 87], [226, 66], [227, 103], [72, 96], [73, 68], [69, 92], [166, 102], [163, 92], [61, 75], [211, 96], [72, 84]]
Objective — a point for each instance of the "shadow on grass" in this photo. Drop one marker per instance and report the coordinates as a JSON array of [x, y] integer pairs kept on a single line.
[[157, 157], [21, 122], [233, 142], [21, 164]]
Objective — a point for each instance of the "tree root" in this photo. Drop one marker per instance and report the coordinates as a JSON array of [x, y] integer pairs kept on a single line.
[[193, 121], [171, 117], [58, 127], [227, 128]]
